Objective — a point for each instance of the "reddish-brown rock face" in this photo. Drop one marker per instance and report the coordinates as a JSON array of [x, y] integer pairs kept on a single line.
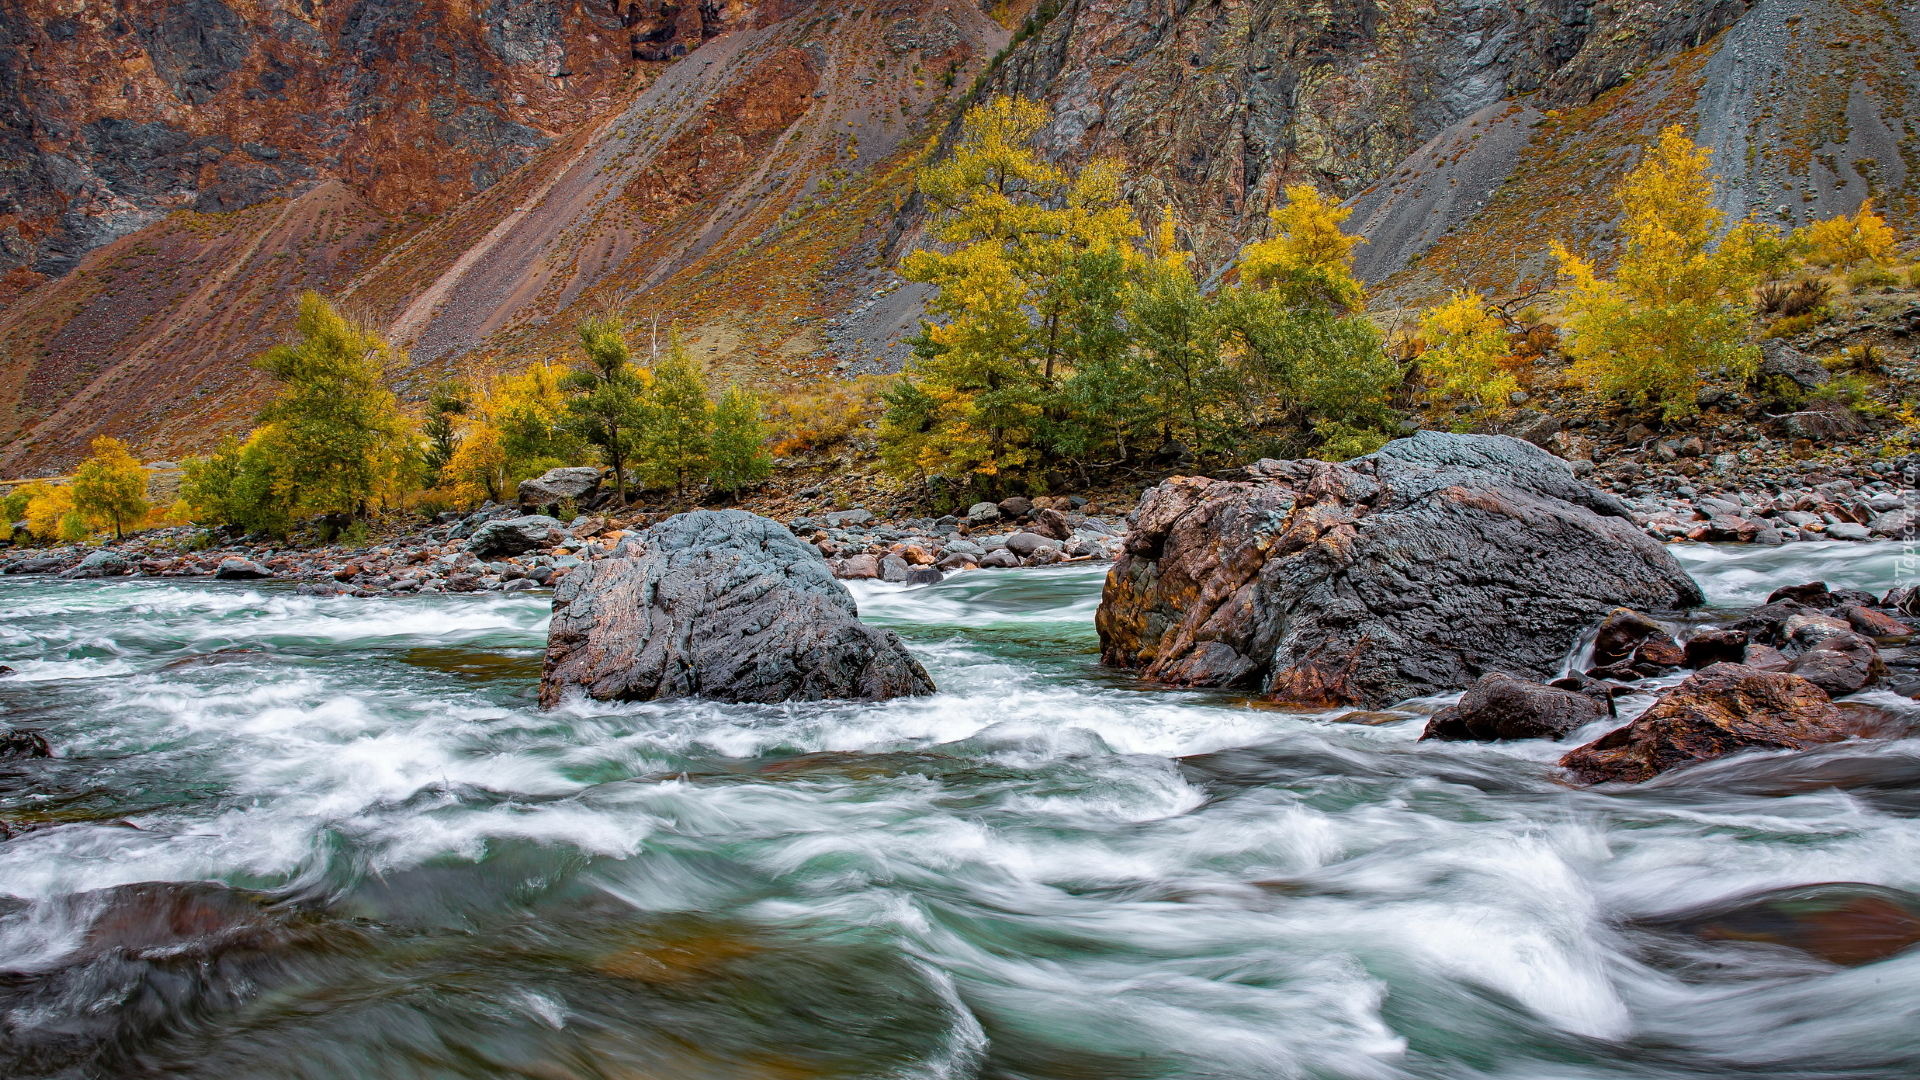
[[1722, 710]]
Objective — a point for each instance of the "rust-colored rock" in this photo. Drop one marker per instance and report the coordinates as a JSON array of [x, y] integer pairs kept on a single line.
[[1411, 571], [1722, 710], [1842, 922]]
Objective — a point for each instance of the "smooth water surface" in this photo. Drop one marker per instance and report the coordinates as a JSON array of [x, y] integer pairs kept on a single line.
[[1045, 871]]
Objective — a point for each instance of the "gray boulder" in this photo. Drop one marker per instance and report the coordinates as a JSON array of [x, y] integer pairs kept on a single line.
[[982, 512], [1026, 543], [1414, 570], [512, 536], [1779, 360], [557, 485], [1499, 706], [718, 604], [235, 568], [100, 564]]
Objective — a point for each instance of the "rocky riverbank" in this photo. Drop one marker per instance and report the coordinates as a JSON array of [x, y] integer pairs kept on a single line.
[[505, 549]]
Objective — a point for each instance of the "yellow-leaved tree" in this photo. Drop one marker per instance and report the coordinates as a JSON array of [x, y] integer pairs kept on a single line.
[[110, 487], [513, 427], [1016, 235], [1307, 259], [1843, 241], [47, 506], [1466, 344], [1675, 310]]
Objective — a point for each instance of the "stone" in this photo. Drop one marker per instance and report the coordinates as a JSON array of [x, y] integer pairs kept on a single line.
[[1712, 646], [1660, 652], [1841, 663], [858, 568], [983, 513], [100, 564], [559, 485], [1765, 623], [895, 569], [1620, 633], [955, 560], [1766, 658], [1779, 360], [1532, 425], [1808, 628], [514, 536], [1841, 922], [1898, 524], [1871, 622], [1410, 571], [1570, 447], [1813, 594], [1817, 425], [1499, 706], [1722, 710], [841, 519], [519, 585], [999, 559], [1847, 530], [1017, 506], [718, 604], [17, 743], [235, 568], [925, 575], [1050, 522], [1026, 543]]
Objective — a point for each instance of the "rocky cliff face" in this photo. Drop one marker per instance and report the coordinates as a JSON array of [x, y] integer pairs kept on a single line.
[[1218, 103], [742, 184], [475, 176]]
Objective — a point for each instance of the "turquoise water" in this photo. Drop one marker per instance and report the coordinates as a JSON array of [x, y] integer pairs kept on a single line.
[[1044, 871]]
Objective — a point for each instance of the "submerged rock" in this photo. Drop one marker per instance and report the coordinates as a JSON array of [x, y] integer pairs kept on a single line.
[[17, 743], [1414, 570], [1500, 706], [1722, 710], [718, 604], [1842, 922]]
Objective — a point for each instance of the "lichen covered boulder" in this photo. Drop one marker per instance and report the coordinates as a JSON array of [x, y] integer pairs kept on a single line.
[[724, 605], [1411, 571]]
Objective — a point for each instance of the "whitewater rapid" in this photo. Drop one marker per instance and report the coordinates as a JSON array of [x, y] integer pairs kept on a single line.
[[1045, 870]]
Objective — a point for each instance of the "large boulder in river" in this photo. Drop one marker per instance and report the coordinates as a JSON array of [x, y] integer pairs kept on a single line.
[[1723, 710], [718, 604], [1411, 571]]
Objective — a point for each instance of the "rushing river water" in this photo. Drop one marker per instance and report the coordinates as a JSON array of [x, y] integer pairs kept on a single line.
[[1045, 871]]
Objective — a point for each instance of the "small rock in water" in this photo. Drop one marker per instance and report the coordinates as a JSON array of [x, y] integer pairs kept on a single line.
[[1722, 710], [1813, 593], [15, 743], [1710, 647], [1620, 633], [100, 564], [1841, 663], [1499, 706]]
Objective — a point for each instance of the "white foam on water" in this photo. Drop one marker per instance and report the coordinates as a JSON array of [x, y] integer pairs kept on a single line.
[[1335, 906]]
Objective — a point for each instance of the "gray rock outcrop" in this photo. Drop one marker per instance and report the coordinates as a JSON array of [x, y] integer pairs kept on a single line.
[[513, 536], [558, 485], [718, 604], [1414, 570]]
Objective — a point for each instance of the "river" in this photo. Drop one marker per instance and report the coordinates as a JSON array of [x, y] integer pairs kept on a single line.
[[1045, 871]]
